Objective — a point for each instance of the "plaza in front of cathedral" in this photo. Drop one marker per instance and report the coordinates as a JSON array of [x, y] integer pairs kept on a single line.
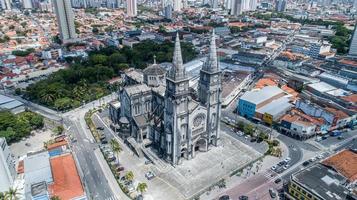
[[195, 176]]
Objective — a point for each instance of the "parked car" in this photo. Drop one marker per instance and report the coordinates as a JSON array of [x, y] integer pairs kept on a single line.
[[243, 197], [100, 128], [273, 168], [272, 193], [148, 162], [287, 159], [278, 180], [120, 168], [150, 175], [104, 141], [306, 163], [286, 166], [253, 139], [224, 197]]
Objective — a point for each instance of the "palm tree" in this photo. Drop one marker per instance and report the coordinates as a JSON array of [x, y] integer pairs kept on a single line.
[[129, 176], [142, 187], [2, 196], [115, 146], [55, 198], [47, 98], [11, 194]]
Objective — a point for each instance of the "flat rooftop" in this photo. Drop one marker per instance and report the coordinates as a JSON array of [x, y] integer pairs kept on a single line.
[[231, 80], [259, 96], [327, 183], [322, 87]]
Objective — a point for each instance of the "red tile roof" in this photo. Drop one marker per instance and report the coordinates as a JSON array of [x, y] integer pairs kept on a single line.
[[57, 144], [344, 162], [66, 183]]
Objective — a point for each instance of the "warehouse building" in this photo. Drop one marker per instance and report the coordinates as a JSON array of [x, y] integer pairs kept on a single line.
[[266, 104]]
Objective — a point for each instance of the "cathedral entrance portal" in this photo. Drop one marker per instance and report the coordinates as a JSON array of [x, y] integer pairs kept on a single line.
[[184, 153], [201, 145]]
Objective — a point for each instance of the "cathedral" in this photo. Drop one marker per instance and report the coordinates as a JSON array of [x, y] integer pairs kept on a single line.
[[158, 109]]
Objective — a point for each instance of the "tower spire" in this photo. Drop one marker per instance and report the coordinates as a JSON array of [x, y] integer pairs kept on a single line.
[[211, 64], [177, 71]]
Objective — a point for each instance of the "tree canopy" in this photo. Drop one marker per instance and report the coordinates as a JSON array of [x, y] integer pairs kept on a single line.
[[86, 81], [14, 127]]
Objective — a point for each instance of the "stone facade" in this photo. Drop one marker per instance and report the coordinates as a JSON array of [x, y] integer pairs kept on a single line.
[[167, 116]]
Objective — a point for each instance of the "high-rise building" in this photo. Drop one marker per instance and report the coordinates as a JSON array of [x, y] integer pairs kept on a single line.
[[353, 45], [7, 166], [280, 5], [27, 4], [131, 8], [177, 5], [65, 20], [5, 4], [237, 7], [228, 4], [168, 11], [253, 5], [214, 4]]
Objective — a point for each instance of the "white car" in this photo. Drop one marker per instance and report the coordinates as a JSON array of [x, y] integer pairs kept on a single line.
[[320, 156], [286, 167], [287, 159], [273, 168], [313, 159]]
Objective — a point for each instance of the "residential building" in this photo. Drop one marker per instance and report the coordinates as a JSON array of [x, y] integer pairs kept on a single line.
[[5, 4], [27, 4], [280, 5], [168, 11], [177, 5], [330, 179], [52, 53], [65, 20], [353, 45], [237, 7], [131, 8], [297, 126], [7, 166]]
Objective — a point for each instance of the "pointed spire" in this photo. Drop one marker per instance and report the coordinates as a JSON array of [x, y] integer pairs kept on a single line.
[[154, 59], [177, 71], [211, 64]]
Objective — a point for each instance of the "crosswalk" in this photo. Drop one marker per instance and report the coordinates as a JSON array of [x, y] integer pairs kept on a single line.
[[111, 198], [270, 175]]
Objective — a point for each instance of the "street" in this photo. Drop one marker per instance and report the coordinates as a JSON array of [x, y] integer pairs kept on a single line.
[[93, 176]]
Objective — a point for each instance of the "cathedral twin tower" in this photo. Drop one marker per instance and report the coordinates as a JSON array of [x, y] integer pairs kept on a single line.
[[192, 125]]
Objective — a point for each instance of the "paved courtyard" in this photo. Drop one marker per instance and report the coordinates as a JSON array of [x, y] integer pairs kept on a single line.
[[36, 142], [193, 176]]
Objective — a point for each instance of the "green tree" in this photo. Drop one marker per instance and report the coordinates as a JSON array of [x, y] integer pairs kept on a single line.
[[63, 103], [240, 125], [59, 130], [12, 194], [55, 198], [129, 176], [98, 59], [249, 129], [142, 187], [114, 144]]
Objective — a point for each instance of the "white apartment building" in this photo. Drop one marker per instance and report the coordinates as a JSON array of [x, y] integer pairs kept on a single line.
[[7, 166]]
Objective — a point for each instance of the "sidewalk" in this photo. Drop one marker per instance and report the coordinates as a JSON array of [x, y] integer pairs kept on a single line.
[[111, 179], [258, 167]]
